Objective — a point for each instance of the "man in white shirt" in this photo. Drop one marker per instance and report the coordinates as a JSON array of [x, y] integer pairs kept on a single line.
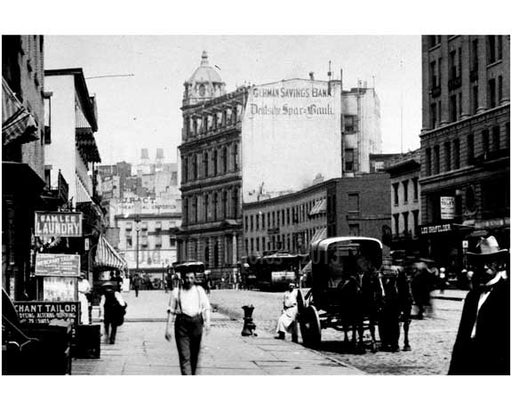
[[189, 309]]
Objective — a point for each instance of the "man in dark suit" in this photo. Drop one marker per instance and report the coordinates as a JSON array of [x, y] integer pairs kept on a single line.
[[482, 346]]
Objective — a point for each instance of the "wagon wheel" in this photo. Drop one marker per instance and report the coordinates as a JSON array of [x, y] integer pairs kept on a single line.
[[310, 327], [301, 303]]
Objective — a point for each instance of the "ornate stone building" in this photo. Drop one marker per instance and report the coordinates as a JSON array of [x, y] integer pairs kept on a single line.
[[211, 176]]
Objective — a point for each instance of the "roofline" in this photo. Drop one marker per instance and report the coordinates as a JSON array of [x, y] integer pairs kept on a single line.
[[82, 90]]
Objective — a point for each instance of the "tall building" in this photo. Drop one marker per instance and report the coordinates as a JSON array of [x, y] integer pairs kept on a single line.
[[465, 143], [23, 136], [211, 178]]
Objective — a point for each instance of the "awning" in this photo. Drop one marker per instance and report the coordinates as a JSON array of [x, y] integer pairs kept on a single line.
[[319, 234], [107, 256], [319, 208], [17, 122]]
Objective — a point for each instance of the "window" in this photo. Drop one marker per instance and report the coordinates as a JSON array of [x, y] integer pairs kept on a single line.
[[277, 218], [415, 215], [251, 218], [491, 49], [500, 88], [475, 99], [474, 55], [206, 204], [415, 189], [447, 156], [496, 138], [350, 123], [194, 167], [453, 108], [185, 210], [405, 216], [428, 162], [262, 221], [224, 160], [500, 47], [257, 222], [205, 164], [433, 74], [433, 115], [349, 159], [129, 242], [184, 169], [287, 216], [453, 65], [485, 141], [235, 201], [158, 241], [215, 163], [235, 157], [225, 204], [353, 203], [353, 230], [194, 209], [406, 191], [215, 207], [396, 223], [471, 148], [246, 223], [436, 159], [492, 93], [456, 154]]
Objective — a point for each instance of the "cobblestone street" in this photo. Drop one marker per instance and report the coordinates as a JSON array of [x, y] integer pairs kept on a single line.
[[431, 339]]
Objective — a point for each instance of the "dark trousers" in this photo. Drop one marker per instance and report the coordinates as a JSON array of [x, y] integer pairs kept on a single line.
[[108, 323], [188, 332], [136, 291]]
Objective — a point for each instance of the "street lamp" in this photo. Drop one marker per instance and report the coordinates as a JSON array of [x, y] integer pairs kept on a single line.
[[137, 229]]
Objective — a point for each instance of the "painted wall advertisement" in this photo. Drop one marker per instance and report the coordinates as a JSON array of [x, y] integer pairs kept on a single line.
[[447, 207], [65, 224], [291, 132], [47, 312]]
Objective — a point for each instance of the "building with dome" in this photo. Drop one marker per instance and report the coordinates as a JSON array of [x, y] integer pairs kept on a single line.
[[262, 142], [211, 176]]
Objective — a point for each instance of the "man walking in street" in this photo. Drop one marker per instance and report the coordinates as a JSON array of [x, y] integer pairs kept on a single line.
[[189, 309], [482, 346]]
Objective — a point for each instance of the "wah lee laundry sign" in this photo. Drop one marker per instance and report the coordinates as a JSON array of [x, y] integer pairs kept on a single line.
[[66, 224], [47, 312], [56, 264]]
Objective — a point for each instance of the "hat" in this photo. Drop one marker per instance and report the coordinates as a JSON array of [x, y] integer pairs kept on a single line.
[[488, 247], [108, 284]]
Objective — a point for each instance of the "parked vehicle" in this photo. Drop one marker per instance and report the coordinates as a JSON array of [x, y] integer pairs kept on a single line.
[[275, 271]]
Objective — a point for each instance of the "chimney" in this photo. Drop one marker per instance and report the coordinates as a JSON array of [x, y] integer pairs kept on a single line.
[[311, 75]]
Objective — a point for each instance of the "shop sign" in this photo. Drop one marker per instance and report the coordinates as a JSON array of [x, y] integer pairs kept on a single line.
[[53, 264], [46, 312], [65, 224], [465, 244], [447, 207], [433, 229]]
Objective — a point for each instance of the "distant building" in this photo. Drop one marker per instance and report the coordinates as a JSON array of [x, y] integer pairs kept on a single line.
[[404, 175], [357, 206], [465, 143]]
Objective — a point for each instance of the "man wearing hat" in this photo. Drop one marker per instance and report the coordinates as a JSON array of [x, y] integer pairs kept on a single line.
[[482, 346]]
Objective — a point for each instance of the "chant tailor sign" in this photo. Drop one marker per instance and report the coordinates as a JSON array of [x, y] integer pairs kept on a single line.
[[53, 264], [46, 312], [433, 229], [447, 204], [65, 224]]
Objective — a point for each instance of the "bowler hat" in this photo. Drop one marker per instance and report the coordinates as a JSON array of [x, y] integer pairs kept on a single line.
[[488, 247]]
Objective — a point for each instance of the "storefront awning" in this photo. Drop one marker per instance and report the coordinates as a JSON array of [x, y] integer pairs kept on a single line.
[[319, 234], [107, 256], [17, 122], [319, 208]]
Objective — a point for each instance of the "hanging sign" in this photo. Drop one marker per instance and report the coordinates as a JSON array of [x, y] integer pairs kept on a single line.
[[447, 207], [54, 264], [65, 224]]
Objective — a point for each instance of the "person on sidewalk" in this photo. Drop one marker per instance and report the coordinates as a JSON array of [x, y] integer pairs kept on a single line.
[[287, 321], [113, 308], [84, 289], [482, 345], [136, 284], [189, 310]]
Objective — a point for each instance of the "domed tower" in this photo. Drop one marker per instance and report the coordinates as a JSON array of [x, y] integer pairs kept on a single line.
[[204, 84]]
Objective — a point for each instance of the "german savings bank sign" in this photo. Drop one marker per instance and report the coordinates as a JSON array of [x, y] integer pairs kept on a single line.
[[291, 133], [65, 224]]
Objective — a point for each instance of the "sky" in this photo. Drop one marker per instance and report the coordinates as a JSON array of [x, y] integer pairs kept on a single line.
[[139, 79]]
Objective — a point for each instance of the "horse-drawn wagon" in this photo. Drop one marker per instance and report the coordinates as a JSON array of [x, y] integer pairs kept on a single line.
[[347, 291]]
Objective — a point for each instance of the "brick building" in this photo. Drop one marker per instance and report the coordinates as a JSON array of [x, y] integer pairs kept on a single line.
[[465, 142]]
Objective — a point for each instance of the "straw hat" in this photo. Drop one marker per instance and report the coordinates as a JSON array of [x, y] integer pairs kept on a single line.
[[488, 247]]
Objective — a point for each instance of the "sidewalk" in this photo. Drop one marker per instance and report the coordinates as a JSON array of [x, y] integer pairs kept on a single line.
[[141, 349], [450, 294]]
